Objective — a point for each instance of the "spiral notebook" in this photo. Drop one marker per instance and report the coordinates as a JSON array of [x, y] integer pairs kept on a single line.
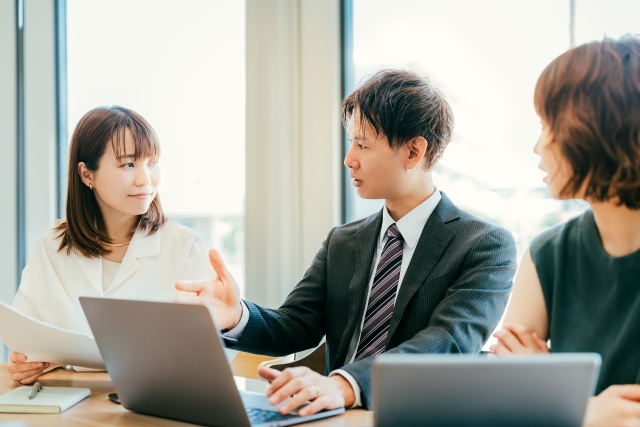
[[49, 400]]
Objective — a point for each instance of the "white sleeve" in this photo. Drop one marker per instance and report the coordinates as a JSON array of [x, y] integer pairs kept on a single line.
[[23, 301], [198, 266], [354, 385], [235, 333]]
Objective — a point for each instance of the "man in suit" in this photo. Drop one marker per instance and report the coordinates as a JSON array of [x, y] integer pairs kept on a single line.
[[420, 276]]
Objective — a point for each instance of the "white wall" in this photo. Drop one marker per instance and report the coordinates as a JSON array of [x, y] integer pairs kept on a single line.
[[40, 119], [320, 125], [293, 140], [8, 159], [40, 134]]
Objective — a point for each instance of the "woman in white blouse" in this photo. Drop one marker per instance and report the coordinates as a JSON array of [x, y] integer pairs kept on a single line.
[[116, 241]]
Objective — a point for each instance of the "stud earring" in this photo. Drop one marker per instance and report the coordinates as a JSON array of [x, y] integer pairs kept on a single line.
[[90, 187]]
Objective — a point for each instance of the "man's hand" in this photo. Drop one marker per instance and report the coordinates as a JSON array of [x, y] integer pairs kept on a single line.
[[618, 405], [23, 372], [517, 339], [307, 385], [222, 295]]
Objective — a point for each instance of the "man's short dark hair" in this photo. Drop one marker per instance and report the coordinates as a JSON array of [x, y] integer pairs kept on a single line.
[[590, 98], [403, 105]]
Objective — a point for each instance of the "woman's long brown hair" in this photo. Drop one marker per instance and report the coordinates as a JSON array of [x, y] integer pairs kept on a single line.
[[83, 231]]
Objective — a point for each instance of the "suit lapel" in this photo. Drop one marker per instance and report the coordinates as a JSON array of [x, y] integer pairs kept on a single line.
[[363, 247], [434, 239]]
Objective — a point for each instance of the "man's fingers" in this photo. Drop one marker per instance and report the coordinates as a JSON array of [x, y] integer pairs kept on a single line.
[[218, 265], [190, 286], [284, 378], [188, 300], [322, 402], [278, 382], [268, 374], [294, 386], [298, 400]]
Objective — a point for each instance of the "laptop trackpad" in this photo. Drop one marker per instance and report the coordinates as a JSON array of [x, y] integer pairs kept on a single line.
[[259, 401]]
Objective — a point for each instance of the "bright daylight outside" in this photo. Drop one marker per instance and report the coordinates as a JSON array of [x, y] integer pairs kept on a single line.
[[486, 57], [181, 65]]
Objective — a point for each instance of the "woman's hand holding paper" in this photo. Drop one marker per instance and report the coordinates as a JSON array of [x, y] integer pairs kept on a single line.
[[22, 371]]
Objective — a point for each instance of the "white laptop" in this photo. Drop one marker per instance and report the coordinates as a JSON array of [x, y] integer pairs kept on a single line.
[[470, 390], [168, 360]]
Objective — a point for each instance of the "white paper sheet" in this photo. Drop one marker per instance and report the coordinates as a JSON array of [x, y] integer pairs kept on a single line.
[[42, 342]]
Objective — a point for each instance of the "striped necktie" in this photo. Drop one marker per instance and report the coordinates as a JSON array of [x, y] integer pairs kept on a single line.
[[382, 297]]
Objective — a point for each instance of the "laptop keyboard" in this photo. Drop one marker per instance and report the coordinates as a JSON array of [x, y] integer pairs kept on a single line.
[[261, 416]]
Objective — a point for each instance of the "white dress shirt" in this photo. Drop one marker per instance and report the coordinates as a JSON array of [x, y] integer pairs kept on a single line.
[[53, 281], [410, 227]]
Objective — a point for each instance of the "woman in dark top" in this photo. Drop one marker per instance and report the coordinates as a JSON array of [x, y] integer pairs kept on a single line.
[[579, 284]]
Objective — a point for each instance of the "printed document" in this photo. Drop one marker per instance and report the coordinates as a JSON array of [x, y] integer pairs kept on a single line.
[[42, 342]]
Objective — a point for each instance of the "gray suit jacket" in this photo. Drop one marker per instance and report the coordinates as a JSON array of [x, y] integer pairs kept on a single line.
[[451, 299]]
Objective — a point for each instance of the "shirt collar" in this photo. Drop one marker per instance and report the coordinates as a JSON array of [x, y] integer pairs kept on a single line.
[[412, 223], [144, 245]]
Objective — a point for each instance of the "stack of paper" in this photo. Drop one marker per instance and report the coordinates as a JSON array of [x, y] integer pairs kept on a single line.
[[42, 342]]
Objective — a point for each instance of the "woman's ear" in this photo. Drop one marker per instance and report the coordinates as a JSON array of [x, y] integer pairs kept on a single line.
[[85, 175], [417, 148]]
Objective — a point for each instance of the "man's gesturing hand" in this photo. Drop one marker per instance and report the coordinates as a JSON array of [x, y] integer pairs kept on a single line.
[[221, 295], [307, 385]]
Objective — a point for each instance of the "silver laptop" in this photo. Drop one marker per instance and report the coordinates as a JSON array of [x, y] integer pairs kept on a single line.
[[168, 360], [467, 390]]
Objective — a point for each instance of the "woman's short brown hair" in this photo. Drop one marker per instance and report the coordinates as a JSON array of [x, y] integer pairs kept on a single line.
[[590, 99], [403, 105], [83, 231]]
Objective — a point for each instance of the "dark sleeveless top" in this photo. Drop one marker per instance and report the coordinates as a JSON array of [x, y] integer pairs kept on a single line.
[[592, 298]]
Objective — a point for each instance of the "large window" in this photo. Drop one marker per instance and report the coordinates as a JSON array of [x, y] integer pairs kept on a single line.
[[181, 65], [613, 18], [486, 57]]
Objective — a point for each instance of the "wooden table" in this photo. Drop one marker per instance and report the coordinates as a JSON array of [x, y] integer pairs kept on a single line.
[[97, 410]]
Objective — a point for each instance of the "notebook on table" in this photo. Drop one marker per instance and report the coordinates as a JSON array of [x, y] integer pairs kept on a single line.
[[49, 400]]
